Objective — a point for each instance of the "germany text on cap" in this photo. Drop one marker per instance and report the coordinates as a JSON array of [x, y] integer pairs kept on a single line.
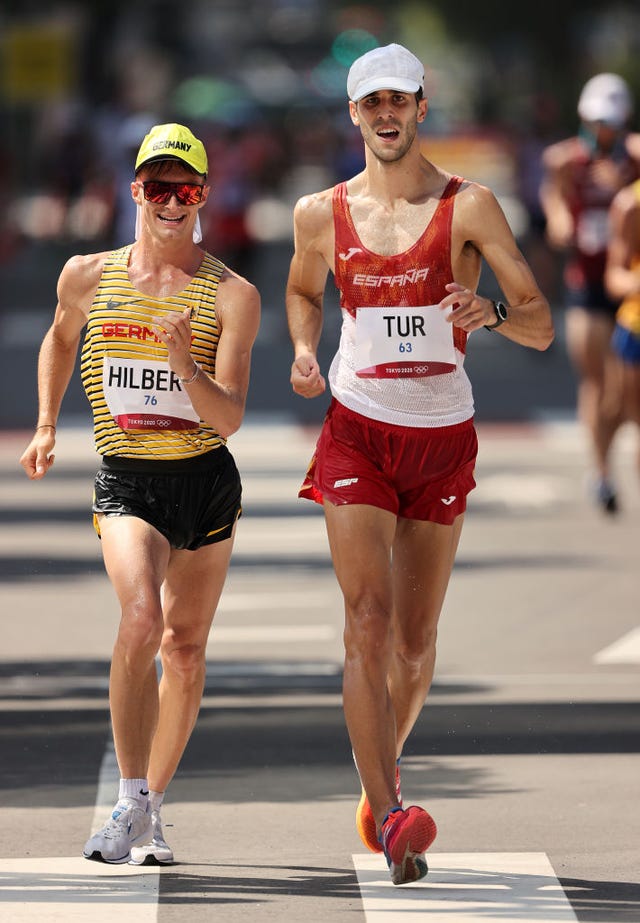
[[392, 67], [173, 142]]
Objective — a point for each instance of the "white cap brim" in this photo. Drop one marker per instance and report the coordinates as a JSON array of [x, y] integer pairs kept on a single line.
[[604, 112], [400, 84]]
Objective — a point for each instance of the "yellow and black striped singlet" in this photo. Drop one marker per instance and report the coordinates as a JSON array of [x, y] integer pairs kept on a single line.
[[628, 315], [140, 410]]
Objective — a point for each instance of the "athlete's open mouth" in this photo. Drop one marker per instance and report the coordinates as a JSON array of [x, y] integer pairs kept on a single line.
[[172, 220], [388, 134]]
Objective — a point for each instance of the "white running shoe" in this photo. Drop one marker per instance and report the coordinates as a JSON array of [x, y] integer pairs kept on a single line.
[[128, 825], [157, 851]]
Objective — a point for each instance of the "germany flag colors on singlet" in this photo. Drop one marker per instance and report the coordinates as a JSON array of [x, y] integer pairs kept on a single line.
[[628, 315], [140, 408]]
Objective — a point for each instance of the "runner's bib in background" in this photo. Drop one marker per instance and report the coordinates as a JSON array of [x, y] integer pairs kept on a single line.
[[592, 232], [403, 342], [145, 395]]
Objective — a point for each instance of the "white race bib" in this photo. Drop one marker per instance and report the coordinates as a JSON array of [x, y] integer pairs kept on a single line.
[[143, 395], [404, 342], [592, 232]]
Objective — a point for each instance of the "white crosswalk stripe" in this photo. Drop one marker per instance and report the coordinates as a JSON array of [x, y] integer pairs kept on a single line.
[[504, 887], [624, 650]]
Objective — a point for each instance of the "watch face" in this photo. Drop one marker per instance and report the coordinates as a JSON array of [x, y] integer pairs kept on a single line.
[[500, 311]]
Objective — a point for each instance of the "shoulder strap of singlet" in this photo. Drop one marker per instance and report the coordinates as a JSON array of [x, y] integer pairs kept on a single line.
[[340, 193], [119, 257], [452, 187], [212, 266]]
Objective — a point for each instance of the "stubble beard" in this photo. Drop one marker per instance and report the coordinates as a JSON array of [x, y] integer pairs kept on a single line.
[[390, 155]]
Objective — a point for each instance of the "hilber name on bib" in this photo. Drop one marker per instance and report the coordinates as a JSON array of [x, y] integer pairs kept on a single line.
[[143, 395], [404, 342]]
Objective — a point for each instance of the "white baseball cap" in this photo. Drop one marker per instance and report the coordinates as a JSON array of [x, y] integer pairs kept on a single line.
[[392, 67], [605, 98]]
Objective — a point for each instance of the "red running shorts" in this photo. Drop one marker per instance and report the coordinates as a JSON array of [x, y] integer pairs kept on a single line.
[[414, 472]]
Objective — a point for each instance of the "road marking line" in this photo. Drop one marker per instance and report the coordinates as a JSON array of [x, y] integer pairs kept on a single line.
[[108, 785], [238, 602], [246, 634], [499, 887], [520, 491], [75, 890], [625, 650]]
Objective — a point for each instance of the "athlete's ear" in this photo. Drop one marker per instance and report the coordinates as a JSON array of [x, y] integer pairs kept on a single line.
[[353, 112], [137, 193], [423, 107]]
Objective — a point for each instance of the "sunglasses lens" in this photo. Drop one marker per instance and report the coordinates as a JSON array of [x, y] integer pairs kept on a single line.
[[188, 193], [159, 193]]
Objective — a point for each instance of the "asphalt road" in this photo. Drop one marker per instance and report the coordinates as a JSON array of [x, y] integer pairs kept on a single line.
[[526, 752]]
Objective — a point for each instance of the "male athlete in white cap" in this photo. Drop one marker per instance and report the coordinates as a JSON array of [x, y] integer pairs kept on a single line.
[[582, 175], [395, 459]]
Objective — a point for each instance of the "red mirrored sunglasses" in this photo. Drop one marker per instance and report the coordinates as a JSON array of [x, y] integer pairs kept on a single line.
[[159, 192]]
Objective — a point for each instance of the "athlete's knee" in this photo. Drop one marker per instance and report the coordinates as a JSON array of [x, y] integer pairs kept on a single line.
[[368, 627], [183, 658], [417, 651], [140, 629]]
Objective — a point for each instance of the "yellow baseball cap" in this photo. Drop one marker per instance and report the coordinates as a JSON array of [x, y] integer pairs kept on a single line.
[[173, 142]]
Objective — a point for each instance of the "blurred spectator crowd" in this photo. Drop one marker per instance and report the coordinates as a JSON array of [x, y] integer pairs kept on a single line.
[[262, 82]]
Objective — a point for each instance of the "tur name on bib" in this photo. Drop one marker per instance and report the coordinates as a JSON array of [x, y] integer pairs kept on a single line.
[[401, 342]]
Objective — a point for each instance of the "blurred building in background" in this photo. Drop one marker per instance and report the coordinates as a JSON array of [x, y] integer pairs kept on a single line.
[[262, 82]]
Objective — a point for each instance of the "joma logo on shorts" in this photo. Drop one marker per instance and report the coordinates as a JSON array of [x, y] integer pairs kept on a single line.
[[345, 482]]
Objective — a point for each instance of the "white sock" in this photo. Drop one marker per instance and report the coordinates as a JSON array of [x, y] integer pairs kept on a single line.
[[155, 800], [138, 789]]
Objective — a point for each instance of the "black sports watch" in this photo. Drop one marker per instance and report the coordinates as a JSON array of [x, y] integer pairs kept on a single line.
[[501, 315]]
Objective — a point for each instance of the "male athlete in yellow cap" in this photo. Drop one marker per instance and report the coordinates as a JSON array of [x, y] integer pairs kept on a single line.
[[165, 366]]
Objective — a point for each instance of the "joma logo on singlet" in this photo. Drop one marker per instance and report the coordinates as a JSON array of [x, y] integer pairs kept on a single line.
[[129, 332], [405, 278]]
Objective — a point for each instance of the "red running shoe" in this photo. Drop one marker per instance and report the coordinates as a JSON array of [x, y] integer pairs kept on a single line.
[[365, 822], [406, 835]]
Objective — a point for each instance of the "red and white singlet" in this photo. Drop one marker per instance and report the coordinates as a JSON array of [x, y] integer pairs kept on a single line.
[[399, 361]]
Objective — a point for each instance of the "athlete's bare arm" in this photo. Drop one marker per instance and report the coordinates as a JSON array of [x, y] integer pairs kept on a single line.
[[76, 288], [555, 188], [624, 244], [220, 401], [312, 259], [480, 229]]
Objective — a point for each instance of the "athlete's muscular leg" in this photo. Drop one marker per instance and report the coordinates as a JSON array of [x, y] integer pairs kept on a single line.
[[629, 375], [361, 538], [599, 391], [423, 556], [191, 592], [136, 556]]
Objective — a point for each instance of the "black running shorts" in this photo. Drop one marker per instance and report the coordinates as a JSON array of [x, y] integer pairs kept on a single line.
[[192, 503]]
